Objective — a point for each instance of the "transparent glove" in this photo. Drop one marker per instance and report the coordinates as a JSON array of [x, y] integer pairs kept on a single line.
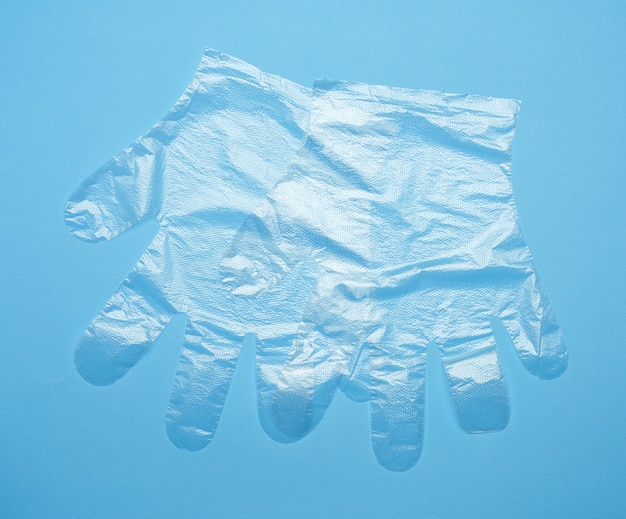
[[404, 200], [199, 172]]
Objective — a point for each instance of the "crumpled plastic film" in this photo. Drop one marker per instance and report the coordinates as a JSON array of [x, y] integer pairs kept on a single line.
[[404, 200], [199, 172]]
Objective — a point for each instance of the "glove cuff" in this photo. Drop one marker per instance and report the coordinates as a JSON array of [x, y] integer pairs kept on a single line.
[[486, 121]]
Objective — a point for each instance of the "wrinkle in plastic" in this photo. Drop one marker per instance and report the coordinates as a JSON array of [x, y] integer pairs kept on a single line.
[[199, 173], [404, 200]]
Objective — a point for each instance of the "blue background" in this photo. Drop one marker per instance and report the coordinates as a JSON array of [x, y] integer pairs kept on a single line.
[[80, 80]]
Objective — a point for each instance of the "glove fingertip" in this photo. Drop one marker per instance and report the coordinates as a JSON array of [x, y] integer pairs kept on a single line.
[[85, 220], [398, 459], [187, 437], [90, 364], [554, 358], [292, 413]]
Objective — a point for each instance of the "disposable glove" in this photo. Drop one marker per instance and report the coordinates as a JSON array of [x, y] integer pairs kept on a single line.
[[199, 172], [404, 200]]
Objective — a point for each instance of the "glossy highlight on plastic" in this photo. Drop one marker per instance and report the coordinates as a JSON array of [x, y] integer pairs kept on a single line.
[[404, 200], [199, 173]]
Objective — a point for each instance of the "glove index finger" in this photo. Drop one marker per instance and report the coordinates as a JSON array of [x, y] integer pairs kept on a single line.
[[121, 334]]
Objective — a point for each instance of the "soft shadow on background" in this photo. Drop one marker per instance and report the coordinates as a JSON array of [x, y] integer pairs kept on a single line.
[[81, 80]]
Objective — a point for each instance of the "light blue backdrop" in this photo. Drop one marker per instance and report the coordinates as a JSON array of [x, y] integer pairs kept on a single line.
[[80, 80]]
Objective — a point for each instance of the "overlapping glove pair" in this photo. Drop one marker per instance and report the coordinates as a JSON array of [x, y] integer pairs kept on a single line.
[[345, 227]]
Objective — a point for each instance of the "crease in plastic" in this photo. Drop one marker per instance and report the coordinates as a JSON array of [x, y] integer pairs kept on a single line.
[[403, 199], [199, 172]]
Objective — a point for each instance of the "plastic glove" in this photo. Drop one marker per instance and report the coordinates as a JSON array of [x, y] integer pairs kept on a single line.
[[199, 172], [404, 199]]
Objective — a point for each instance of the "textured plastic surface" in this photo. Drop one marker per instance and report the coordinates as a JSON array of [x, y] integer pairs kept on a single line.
[[404, 200], [199, 172]]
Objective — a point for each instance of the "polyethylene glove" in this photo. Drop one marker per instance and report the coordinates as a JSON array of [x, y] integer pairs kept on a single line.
[[199, 172], [404, 199]]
